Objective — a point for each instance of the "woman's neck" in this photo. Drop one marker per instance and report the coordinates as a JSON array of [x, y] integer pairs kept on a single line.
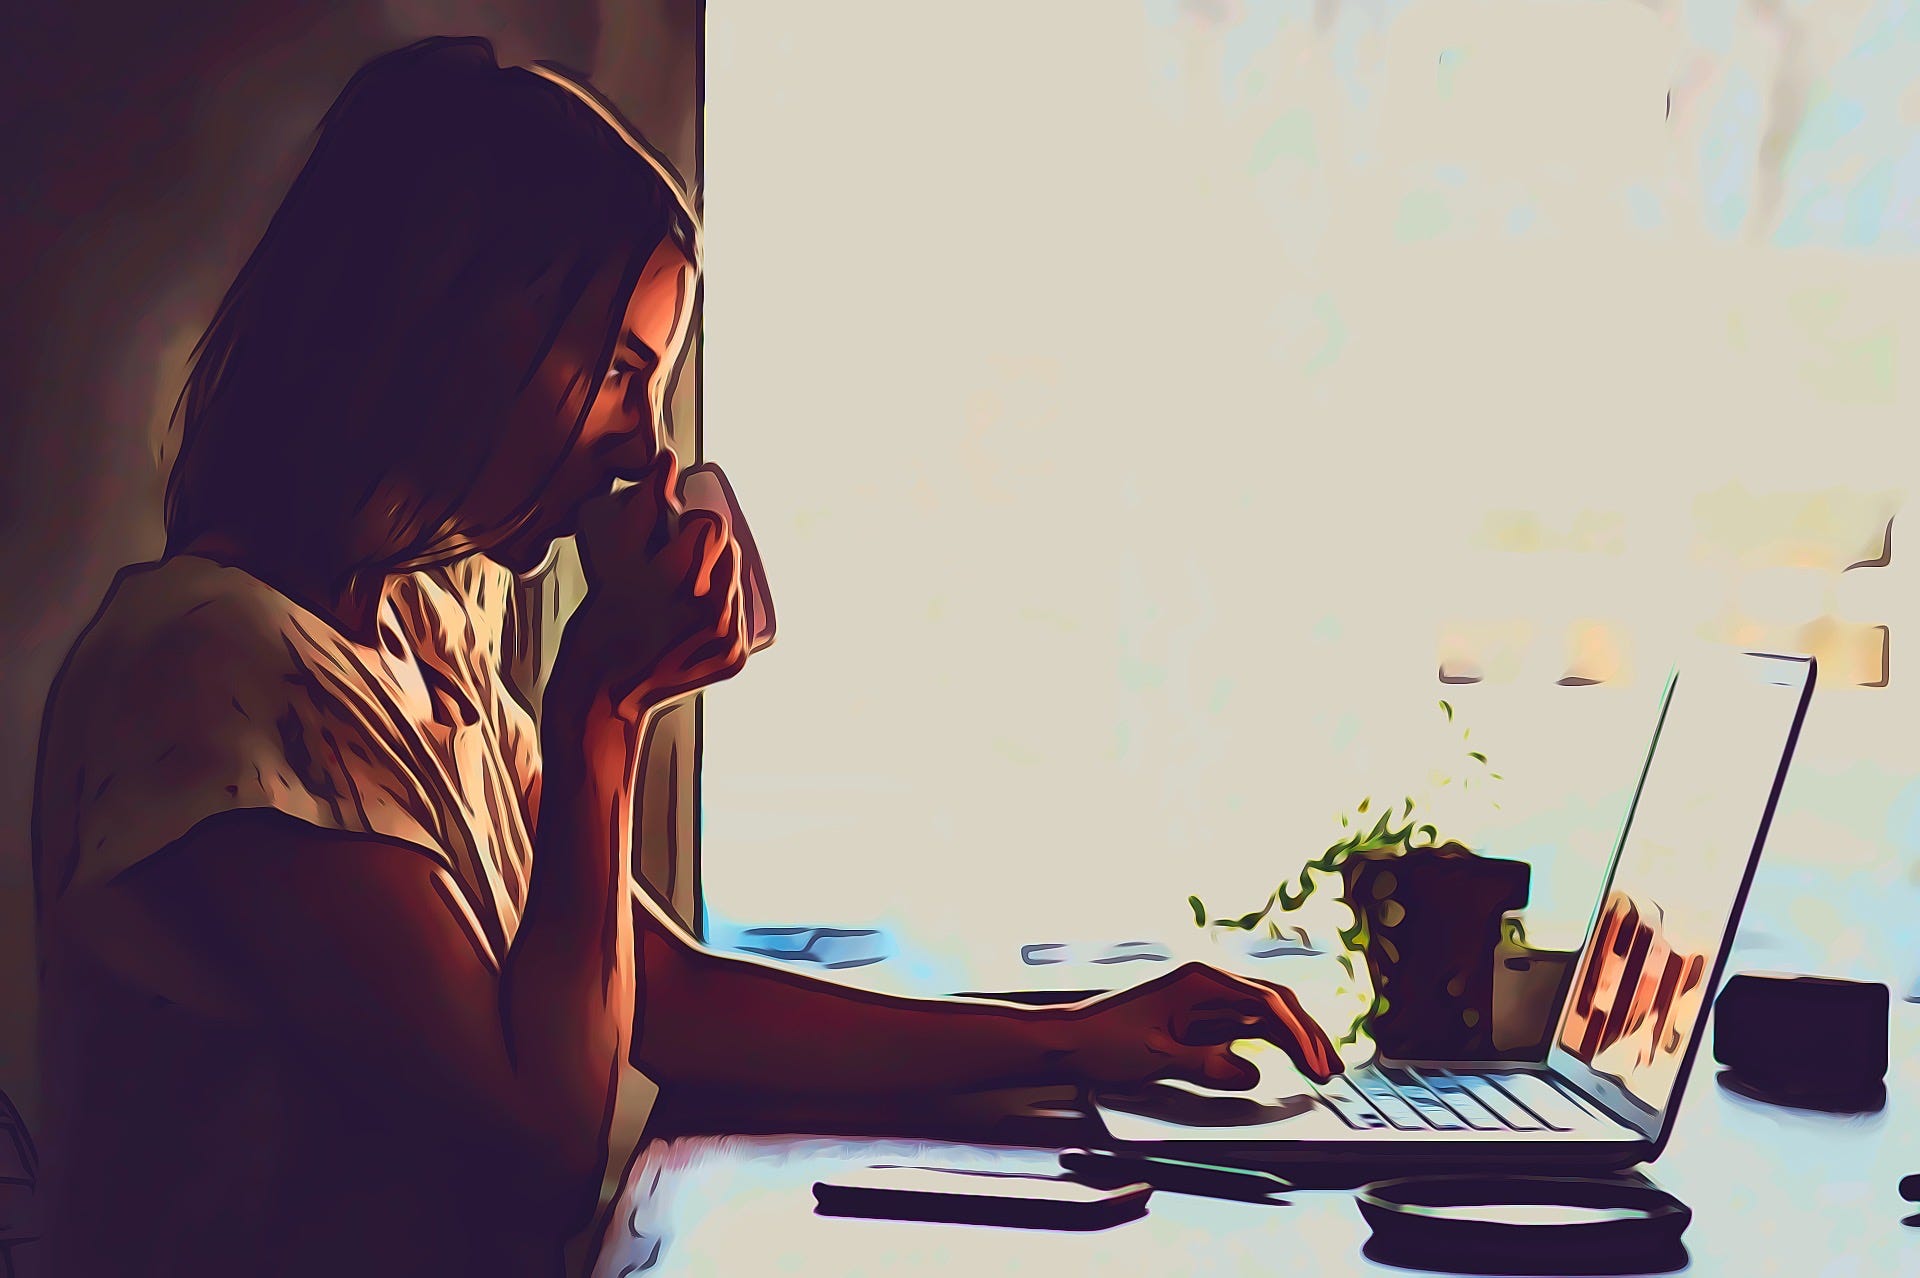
[[348, 601]]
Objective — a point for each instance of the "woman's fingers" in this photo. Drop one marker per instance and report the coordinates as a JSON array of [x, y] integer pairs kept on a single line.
[[718, 573], [1255, 1009], [1219, 1067], [664, 613], [1209, 1064], [1220, 1020], [723, 647], [661, 483], [620, 530], [1315, 1055], [695, 548]]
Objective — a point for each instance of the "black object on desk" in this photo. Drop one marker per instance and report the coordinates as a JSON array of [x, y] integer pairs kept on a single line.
[[965, 1197], [1551, 1224], [1098, 1167], [1803, 1039]]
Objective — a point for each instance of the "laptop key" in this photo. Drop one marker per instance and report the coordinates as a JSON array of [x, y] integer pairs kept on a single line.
[[1463, 1102], [1352, 1108], [1548, 1103], [1433, 1111], [1504, 1107], [1389, 1102]]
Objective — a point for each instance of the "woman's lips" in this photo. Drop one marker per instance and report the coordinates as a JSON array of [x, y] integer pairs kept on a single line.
[[569, 522]]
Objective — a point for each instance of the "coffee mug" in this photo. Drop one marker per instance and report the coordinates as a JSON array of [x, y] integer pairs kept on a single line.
[[705, 487]]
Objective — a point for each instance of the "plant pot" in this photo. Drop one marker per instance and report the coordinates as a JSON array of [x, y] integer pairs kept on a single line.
[[1432, 920]]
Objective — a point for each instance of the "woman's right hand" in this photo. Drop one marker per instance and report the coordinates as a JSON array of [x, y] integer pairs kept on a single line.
[[663, 614]]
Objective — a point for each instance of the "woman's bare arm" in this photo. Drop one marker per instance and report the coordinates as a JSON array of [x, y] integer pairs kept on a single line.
[[712, 1023]]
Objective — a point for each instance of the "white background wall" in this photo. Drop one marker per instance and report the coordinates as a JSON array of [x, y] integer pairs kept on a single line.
[[1136, 402]]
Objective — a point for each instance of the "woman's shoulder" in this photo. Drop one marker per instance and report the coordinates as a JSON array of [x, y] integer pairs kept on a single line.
[[198, 688], [183, 654], [167, 629], [184, 599]]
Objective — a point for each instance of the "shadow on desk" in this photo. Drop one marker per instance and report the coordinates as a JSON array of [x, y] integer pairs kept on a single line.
[[1858, 1102], [1666, 1258]]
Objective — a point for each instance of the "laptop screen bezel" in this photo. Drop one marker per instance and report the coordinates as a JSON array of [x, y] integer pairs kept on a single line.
[[1655, 1123]]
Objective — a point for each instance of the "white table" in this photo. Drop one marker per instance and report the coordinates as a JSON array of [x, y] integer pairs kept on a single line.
[[1773, 1191]]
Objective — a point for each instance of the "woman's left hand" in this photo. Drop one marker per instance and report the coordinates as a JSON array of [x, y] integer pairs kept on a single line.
[[1184, 1024]]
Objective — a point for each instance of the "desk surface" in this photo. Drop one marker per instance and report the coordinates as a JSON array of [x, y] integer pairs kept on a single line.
[[1773, 1191]]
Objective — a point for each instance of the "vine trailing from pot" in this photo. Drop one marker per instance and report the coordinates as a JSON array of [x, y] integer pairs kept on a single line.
[[1396, 831]]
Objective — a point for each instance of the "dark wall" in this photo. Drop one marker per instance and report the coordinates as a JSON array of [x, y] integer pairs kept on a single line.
[[146, 146]]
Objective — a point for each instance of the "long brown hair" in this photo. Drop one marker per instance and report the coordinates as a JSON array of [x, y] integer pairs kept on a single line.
[[352, 384]]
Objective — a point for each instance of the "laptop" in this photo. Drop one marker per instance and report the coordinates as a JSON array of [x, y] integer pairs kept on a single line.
[[1607, 1095]]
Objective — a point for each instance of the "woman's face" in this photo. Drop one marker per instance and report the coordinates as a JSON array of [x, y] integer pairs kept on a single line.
[[622, 432]]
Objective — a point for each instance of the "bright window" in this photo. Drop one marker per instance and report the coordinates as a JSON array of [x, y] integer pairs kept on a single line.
[[1142, 406]]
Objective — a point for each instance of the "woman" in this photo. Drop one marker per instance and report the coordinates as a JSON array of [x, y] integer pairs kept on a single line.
[[340, 956]]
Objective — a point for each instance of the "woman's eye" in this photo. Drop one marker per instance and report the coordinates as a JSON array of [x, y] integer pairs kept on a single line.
[[621, 368]]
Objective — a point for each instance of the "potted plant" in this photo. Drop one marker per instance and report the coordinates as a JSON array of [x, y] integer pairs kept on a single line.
[[1427, 917]]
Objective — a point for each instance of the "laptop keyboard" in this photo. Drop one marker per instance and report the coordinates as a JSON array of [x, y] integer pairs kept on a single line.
[[1411, 1100]]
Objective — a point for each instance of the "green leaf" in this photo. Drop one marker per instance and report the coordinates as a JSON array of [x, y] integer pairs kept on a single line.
[[1247, 922], [1449, 709], [1355, 937], [1496, 776], [1346, 963], [1475, 754], [1408, 810], [1362, 809], [1199, 911]]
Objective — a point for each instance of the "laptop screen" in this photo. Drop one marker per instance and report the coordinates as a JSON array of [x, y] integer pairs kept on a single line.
[[1725, 733]]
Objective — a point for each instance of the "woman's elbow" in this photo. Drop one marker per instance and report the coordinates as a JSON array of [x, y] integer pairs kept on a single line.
[[551, 1180], [563, 1183]]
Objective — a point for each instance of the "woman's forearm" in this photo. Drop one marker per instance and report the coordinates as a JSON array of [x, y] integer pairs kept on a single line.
[[711, 1021], [567, 987]]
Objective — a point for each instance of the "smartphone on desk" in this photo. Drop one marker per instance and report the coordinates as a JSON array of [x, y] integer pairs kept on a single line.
[[1018, 1200], [1208, 1180]]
